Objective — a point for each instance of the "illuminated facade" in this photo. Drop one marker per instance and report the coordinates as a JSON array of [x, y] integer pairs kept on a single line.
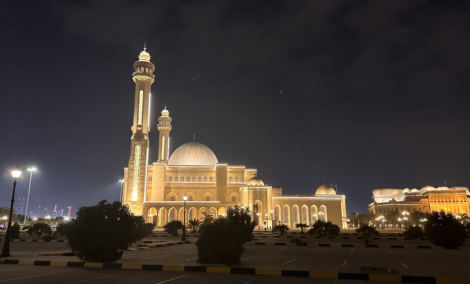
[[453, 200], [156, 190]]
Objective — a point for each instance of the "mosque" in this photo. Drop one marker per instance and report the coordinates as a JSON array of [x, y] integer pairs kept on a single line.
[[192, 171]]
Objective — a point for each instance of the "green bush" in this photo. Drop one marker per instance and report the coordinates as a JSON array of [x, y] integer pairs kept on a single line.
[[367, 231], [297, 241], [324, 229], [100, 233], [39, 228], [413, 233], [301, 226], [15, 231], [61, 229], [444, 230], [149, 228], [48, 238], [173, 227], [220, 241], [241, 218], [194, 224], [281, 229]]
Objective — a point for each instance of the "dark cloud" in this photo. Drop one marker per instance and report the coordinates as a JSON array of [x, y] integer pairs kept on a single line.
[[366, 93]]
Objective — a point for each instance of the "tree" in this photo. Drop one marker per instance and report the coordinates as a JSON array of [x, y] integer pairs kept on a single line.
[[15, 231], [39, 229], [362, 219], [61, 229], [324, 229], [281, 229], [367, 231], [173, 227], [392, 217], [301, 226], [413, 232], [100, 233], [444, 230], [352, 217], [149, 228], [194, 224], [241, 218], [371, 217], [220, 241], [5, 211]]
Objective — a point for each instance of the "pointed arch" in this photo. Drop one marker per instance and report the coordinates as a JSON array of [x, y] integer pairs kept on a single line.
[[304, 215], [313, 213]]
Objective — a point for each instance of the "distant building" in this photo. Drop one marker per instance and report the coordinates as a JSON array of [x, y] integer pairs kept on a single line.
[[453, 200], [156, 190], [20, 206]]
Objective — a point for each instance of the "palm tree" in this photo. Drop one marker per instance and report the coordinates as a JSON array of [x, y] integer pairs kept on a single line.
[[301, 226], [352, 216], [194, 224], [371, 217], [392, 217]]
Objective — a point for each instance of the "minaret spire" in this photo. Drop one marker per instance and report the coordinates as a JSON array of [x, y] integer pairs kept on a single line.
[[194, 137], [164, 127]]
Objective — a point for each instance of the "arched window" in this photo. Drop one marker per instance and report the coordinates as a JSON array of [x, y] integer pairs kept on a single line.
[[230, 179], [208, 198], [194, 179], [205, 179], [170, 179], [276, 213], [234, 199], [211, 179], [323, 213], [236, 179], [295, 213], [188, 179], [176, 179], [190, 198], [199, 179], [304, 215], [172, 198], [286, 214]]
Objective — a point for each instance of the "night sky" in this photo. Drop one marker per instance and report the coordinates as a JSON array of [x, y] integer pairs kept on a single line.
[[363, 93]]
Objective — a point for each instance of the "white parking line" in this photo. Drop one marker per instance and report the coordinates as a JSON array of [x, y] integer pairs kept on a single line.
[[96, 278], [156, 256], [404, 265], [316, 249], [389, 251], [18, 268], [245, 258], [345, 263], [251, 280], [290, 261], [282, 248], [191, 259], [33, 276], [173, 279], [465, 266], [352, 249], [430, 252]]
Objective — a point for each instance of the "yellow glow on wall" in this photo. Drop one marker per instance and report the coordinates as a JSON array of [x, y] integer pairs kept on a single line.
[[148, 121], [141, 105], [136, 172], [163, 148], [168, 152]]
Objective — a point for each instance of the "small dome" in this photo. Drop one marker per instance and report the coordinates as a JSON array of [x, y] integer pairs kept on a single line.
[[192, 154], [165, 112], [255, 181], [325, 189], [406, 190], [414, 190], [144, 55], [442, 188], [427, 188]]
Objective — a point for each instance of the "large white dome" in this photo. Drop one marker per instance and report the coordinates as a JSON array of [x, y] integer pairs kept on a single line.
[[192, 154]]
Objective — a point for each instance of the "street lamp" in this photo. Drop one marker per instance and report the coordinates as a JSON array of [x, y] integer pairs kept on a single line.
[[6, 245], [120, 197], [33, 169], [183, 239]]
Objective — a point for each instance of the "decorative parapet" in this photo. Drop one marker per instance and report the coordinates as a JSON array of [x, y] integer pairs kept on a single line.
[[277, 189], [236, 166], [251, 169]]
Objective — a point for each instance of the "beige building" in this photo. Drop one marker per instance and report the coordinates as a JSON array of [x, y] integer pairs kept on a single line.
[[453, 200], [156, 190]]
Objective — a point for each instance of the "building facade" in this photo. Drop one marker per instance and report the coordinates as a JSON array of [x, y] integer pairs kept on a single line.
[[453, 200], [156, 190]]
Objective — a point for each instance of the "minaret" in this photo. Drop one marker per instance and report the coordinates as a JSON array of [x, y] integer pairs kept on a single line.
[[164, 126], [136, 181]]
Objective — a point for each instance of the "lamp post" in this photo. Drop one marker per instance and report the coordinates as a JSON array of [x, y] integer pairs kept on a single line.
[[29, 190], [6, 245], [120, 196], [183, 239]]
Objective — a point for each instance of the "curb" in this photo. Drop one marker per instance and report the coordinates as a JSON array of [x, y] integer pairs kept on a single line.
[[165, 245], [242, 270], [346, 245], [59, 254], [36, 241]]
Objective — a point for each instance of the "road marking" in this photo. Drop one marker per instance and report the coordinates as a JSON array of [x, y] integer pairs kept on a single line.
[[33, 276], [245, 258], [173, 279], [18, 268], [430, 252], [389, 251], [97, 278], [191, 259], [465, 266], [290, 261], [345, 263], [156, 256], [251, 280], [404, 265], [352, 249], [316, 249], [129, 254], [282, 248]]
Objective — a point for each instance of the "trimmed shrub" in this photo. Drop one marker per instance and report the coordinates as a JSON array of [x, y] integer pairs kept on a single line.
[[48, 238], [100, 233], [241, 218], [173, 227], [149, 228], [444, 230], [39, 228], [367, 231], [194, 225], [281, 229], [220, 242], [15, 231], [61, 229], [301, 226], [413, 233], [324, 229]]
